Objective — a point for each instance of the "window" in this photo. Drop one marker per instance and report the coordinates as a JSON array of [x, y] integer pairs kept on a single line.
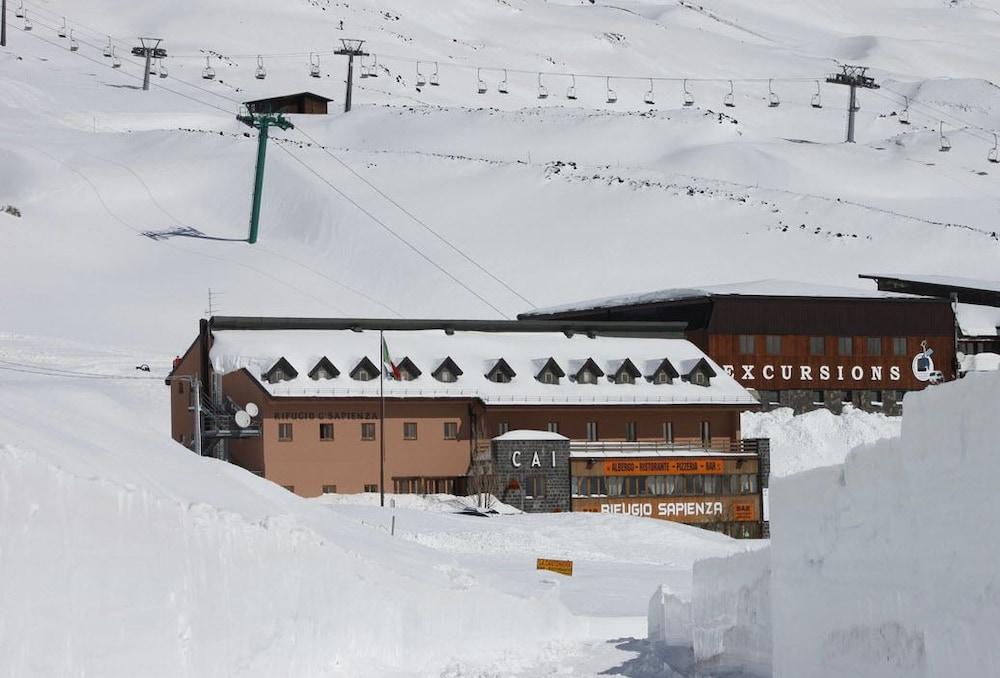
[[674, 485], [699, 378], [552, 427], [362, 374], [746, 344], [405, 375], [284, 432], [550, 377], [534, 486], [635, 486], [899, 346], [875, 398], [630, 435], [500, 377], [587, 377], [503, 427], [748, 484], [773, 344], [668, 431], [706, 434], [329, 489], [713, 484], [615, 486], [409, 430], [180, 387], [847, 397], [371, 487], [899, 396], [696, 484], [662, 377], [450, 430], [874, 346], [368, 431], [326, 431], [817, 345], [591, 430], [845, 345], [446, 375], [769, 397], [819, 398], [625, 377]]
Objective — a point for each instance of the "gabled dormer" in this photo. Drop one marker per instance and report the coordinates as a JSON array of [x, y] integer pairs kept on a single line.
[[501, 372], [365, 370], [663, 372], [280, 371], [698, 372], [626, 373], [588, 373], [447, 372], [407, 370], [550, 373], [324, 369]]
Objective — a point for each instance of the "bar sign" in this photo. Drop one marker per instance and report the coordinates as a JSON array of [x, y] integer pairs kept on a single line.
[[558, 566]]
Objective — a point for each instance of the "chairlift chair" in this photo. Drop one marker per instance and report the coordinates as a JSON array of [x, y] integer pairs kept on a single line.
[[435, 78], [373, 69], [115, 61], [364, 67], [904, 115], [261, 72], [27, 22], [688, 96], [543, 92], [62, 29], [313, 65], [571, 90], [817, 98], [19, 12], [421, 80], [945, 144], [208, 73], [612, 95], [994, 153], [772, 99], [502, 86], [650, 97], [163, 69], [74, 46], [107, 48], [729, 101], [480, 83]]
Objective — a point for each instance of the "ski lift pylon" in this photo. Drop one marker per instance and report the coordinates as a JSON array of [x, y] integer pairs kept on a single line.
[[502, 86], [314, 65], [945, 145], [688, 96], [817, 98], [571, 90], [208, 73], [480, 83], [730, 99], [261, 72], [994, 153], [435, 77], [650, 97], [543, 92], [772, 99]]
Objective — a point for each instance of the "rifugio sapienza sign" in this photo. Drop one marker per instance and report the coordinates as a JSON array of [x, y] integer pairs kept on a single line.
[[532, 470]]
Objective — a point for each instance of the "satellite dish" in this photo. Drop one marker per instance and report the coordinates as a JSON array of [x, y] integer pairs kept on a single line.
[[242, 419], [252, 409]]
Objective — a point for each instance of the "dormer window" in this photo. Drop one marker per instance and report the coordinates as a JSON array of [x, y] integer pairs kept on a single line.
[[365, 370], [588, 373], [699, 378], [626, 373], [663, 372], [447, 372], [324, 369], [624, 378], [662, 377], [407, 370], [587, 377], [501, 372], [699, 373], [280, 371], [550, 373]]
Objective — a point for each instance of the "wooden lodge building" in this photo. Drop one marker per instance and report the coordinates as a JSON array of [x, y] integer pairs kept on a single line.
[[647, 419], [799, 345]]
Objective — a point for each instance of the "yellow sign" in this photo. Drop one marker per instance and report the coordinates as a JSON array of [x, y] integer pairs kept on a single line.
[[638, 467], [558, 566]]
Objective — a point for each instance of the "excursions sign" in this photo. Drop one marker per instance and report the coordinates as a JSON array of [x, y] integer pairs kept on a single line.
[[821, 373]]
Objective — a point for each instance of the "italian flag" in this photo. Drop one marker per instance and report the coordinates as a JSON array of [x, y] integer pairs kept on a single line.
[[389, 368]]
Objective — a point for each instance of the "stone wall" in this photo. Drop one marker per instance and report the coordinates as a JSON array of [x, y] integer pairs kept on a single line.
[[516, 463]]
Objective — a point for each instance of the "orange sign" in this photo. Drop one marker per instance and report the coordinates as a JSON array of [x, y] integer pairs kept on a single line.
[[652, 467], [744, 511], [558, 566]]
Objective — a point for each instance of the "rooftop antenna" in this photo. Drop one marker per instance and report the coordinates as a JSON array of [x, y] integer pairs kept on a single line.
[[261, 121], [817, 98], [730, 99], [351, 48], [853, 77], [149, 48]]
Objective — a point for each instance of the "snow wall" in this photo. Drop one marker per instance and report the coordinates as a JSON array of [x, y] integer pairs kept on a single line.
[[886, 566], [669, 618], [731, 612]]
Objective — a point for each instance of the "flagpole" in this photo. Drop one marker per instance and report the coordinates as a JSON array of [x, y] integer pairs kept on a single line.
[[381, 421]]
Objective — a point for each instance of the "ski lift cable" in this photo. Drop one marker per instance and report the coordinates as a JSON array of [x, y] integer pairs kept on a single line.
[[936, 113], [417, 219], [391, 231]]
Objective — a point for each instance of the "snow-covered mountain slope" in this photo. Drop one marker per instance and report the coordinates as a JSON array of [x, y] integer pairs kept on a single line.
[[531, 202]]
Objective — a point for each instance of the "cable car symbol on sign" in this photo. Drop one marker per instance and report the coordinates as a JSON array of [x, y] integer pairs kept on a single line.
[[923, 365]]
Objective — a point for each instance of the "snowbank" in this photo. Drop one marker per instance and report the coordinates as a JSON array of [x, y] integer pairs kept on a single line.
[[885, 567], [817, 438], [669, 618], [437, 503], [731, 612], [980, 362]]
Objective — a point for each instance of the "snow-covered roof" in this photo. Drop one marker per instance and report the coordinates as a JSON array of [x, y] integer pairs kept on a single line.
[[945, 281], [978, 321], [754, 288], [523, 434], [475, 353]]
